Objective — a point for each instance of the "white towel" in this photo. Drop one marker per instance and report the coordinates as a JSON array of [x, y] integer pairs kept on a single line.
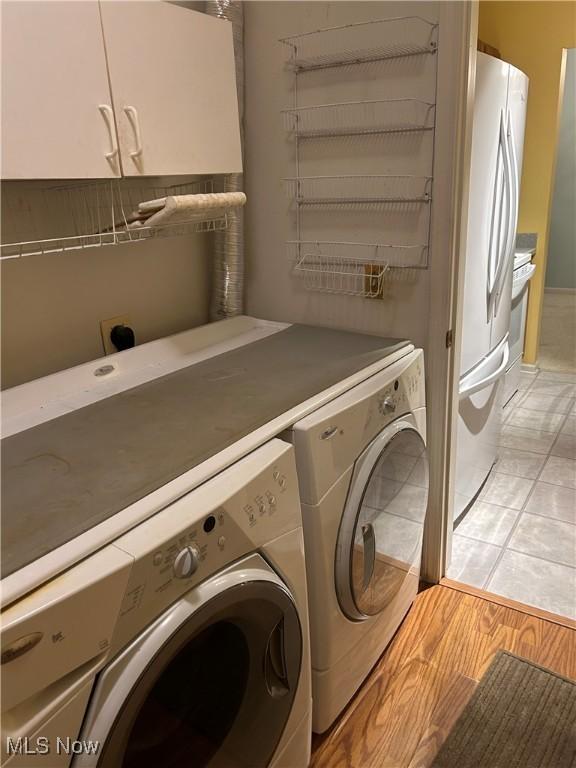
[[181, 208]]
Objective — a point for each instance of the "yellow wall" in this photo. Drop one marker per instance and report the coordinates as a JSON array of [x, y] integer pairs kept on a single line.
[[532, 36]]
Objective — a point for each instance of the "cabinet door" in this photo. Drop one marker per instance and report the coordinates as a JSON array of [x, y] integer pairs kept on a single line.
[[54, 80], [173, 82]]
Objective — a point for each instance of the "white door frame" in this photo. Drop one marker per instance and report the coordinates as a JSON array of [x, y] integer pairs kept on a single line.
[[455, 92]]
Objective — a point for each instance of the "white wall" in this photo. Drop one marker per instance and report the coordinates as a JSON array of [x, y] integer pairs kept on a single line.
[[52, 304], [272, 291]]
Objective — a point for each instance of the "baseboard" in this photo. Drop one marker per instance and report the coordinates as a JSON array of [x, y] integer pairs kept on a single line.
[[505, 602], [559, 290], [530, 368]]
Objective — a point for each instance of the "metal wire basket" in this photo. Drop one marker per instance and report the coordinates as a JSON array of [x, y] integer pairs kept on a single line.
[[354, 269], [354, 118], [362, 42], [42, 219], [358, 190]]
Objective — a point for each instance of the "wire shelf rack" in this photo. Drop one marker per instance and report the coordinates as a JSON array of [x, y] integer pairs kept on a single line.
[[362, 42], [393, 256], [354, 118], [358, 190], [52, 219], [353, 269]]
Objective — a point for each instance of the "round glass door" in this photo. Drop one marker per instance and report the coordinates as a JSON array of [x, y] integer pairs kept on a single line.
[[380, 537], [219, 692]]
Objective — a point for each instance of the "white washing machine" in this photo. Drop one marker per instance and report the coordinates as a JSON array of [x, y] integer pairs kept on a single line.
[[363, 475], [183, 642]]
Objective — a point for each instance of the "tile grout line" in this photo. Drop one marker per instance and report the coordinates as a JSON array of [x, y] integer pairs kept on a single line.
[[523, 508], [502, 548], [519, 515], [544, 559], [518, 512], [547, 517], [501, 554]]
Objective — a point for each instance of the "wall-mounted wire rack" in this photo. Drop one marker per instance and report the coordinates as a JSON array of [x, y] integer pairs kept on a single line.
[[354, 269], [358, 190], [357, 268], [354, 118], [51, 219], [362, 42]]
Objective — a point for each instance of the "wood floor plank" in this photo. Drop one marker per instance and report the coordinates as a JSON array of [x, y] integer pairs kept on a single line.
[[455, 697], [490, 616], [414, 695]]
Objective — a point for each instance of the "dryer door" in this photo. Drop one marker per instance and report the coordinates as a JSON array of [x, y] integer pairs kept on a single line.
[[380, 536], [210, 683]]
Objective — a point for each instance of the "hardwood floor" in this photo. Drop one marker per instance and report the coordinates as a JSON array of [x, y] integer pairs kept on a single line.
[[414, 695]]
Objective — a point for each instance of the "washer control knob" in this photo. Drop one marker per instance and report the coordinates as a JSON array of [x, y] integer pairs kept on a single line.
[[186, 562], [387, 406]]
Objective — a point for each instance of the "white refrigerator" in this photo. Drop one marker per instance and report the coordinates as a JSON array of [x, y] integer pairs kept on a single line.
[[497, 144]]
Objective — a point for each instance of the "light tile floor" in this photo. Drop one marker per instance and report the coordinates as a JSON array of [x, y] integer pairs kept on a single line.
[[558, 331], [519, 538]]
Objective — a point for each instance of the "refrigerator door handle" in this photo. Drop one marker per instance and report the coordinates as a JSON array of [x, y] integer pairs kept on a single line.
[[515, 181], [514, 187], [475, 380], [500, 192], [504, 253]]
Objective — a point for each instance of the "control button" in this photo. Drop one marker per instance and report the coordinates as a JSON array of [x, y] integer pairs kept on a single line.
[[282, 482], [186, 562], [157, 558], [209, 524], [276, 474], [221, 541], [221, 517], [272, 502], [262, 508]]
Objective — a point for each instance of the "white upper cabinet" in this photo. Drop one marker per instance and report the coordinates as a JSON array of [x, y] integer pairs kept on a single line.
[[174, 89], [77, 74], [57, 120]]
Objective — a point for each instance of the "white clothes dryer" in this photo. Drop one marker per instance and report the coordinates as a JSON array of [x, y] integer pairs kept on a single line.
[[363, 475], [183, 642]]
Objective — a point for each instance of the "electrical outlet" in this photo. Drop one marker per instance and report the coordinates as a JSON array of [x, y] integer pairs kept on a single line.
[[105, 328]]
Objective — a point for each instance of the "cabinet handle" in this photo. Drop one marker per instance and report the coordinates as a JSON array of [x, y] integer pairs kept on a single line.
[[108, 115], [132, 116]]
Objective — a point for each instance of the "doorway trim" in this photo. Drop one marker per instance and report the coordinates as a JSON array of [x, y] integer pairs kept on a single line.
[[455, 89]]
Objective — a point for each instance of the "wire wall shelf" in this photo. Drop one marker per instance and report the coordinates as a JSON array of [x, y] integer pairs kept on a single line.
[[354, 269], [358, 190], [354, 118], [362, 42], [359, 268], [53, 219]]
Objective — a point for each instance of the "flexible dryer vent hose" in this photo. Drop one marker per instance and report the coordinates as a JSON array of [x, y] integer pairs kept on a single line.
[[228, 271]]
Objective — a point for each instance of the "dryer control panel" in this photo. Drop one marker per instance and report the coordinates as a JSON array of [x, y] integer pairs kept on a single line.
[[236, 512], [329, 441], [403, 394]]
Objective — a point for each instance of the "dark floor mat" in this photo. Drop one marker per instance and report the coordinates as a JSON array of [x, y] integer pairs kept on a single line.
[[520, 716]]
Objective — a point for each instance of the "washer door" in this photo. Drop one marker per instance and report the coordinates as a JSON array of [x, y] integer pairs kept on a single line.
[[380, 536], [206, 685]]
